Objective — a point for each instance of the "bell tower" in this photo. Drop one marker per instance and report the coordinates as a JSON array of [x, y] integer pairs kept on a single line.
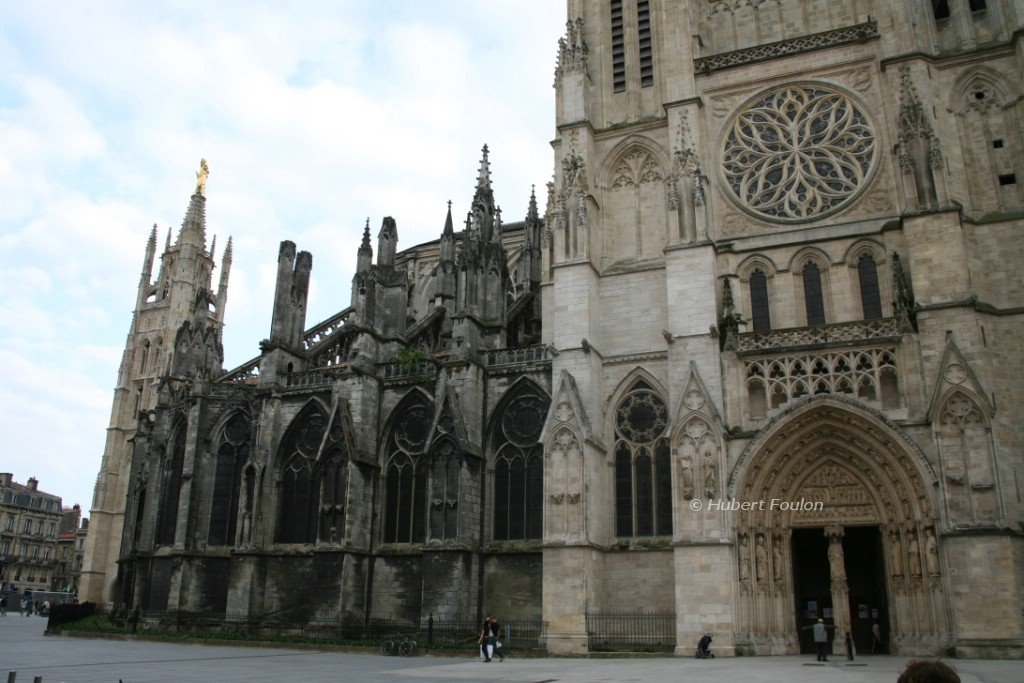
[[163, 304]]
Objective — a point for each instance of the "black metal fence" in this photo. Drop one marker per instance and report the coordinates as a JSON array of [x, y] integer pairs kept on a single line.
[[429, 633], [521, 634], [631, 631]]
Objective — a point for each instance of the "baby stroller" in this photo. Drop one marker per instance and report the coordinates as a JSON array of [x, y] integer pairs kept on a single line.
[[704, 648]]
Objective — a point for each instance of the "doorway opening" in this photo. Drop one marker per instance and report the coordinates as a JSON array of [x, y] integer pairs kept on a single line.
[[812, 588], [865, 578]]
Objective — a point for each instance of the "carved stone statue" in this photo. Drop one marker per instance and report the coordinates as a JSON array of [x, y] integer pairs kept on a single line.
[[914, 550], [897, 554], [744, 553], [686, 473], [931, 553], [710, 472], [777, 561], [201, 175], [836, 562], [761, 559]]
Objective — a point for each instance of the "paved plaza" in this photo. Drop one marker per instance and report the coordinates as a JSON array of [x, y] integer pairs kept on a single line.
[[24, 648]]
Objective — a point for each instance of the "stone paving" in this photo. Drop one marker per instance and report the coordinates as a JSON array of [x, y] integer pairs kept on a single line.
[[24, 649]]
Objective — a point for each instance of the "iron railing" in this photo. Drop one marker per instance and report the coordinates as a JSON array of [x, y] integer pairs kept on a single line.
[[631, 631], [429, 633]]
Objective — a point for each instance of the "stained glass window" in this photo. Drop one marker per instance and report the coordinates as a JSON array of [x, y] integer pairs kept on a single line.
[[297, 520], [405, 478], [519, 467], [643, 498], [870, 297], [232, 455], [759, 302], [813, 300]]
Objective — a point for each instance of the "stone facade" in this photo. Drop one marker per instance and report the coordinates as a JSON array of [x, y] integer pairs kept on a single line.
[[780, 261], [30, 522]]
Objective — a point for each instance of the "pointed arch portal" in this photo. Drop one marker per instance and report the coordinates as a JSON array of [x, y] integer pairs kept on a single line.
[[846, 532]]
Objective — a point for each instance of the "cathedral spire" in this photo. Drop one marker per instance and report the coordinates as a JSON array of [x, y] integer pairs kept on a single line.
[[483, 180], [147, 262], [449, 227], [445, 287], [483, 201], [193, 228], [222, 288], [365, 254], [448, 237], [147, 268]]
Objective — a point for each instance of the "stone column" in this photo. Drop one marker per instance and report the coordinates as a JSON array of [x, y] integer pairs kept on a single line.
[[840, 590]]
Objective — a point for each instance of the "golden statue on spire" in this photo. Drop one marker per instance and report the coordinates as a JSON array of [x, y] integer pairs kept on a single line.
[[201, 175]]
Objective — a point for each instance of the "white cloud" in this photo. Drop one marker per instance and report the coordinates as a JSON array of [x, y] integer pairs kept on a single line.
[[312, 116]]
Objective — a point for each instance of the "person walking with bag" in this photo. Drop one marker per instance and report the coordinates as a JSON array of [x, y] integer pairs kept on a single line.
[[495, 631], [485, 640]]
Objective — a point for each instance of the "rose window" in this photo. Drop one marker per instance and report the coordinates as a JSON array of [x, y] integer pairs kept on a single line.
[[798, 153], [641, 417]]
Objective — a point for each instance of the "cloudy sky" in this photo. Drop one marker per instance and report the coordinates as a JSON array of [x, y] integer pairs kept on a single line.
[[313, 116]]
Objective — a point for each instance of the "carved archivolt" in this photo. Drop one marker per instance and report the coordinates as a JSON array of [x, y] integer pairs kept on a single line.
[[798, 153], [837, 457]]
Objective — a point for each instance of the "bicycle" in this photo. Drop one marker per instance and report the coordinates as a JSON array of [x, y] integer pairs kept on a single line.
[[398, 644]]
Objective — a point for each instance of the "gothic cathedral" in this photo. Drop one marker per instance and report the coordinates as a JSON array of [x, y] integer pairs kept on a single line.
[[756, 362]]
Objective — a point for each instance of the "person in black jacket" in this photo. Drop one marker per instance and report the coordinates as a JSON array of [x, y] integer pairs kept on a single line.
[[494, 629]]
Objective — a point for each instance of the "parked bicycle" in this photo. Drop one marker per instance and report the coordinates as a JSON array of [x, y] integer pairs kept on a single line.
[[398, 644]]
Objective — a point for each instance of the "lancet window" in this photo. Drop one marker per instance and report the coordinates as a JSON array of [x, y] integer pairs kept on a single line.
[[232, 454], [445, 471], [519, 468], [870, 296], [405, 477], [171, 488], [643, 485], [297, 518], [814, 302], [334, 478], [759, 310]]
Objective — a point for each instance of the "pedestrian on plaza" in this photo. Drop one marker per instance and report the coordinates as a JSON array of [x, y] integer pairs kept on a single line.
[[3, 606], [849, 647], [495, 629], [820, 632], [484, 640], [928, 671], [21, 606], [876, 638]]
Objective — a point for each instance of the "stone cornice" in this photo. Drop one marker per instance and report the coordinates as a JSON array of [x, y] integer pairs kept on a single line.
[[858, 33]]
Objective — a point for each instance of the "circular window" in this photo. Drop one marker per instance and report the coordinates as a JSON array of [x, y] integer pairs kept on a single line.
[[641, 417], [237, 430], [411, 431], [798, 153], [524, 420]]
